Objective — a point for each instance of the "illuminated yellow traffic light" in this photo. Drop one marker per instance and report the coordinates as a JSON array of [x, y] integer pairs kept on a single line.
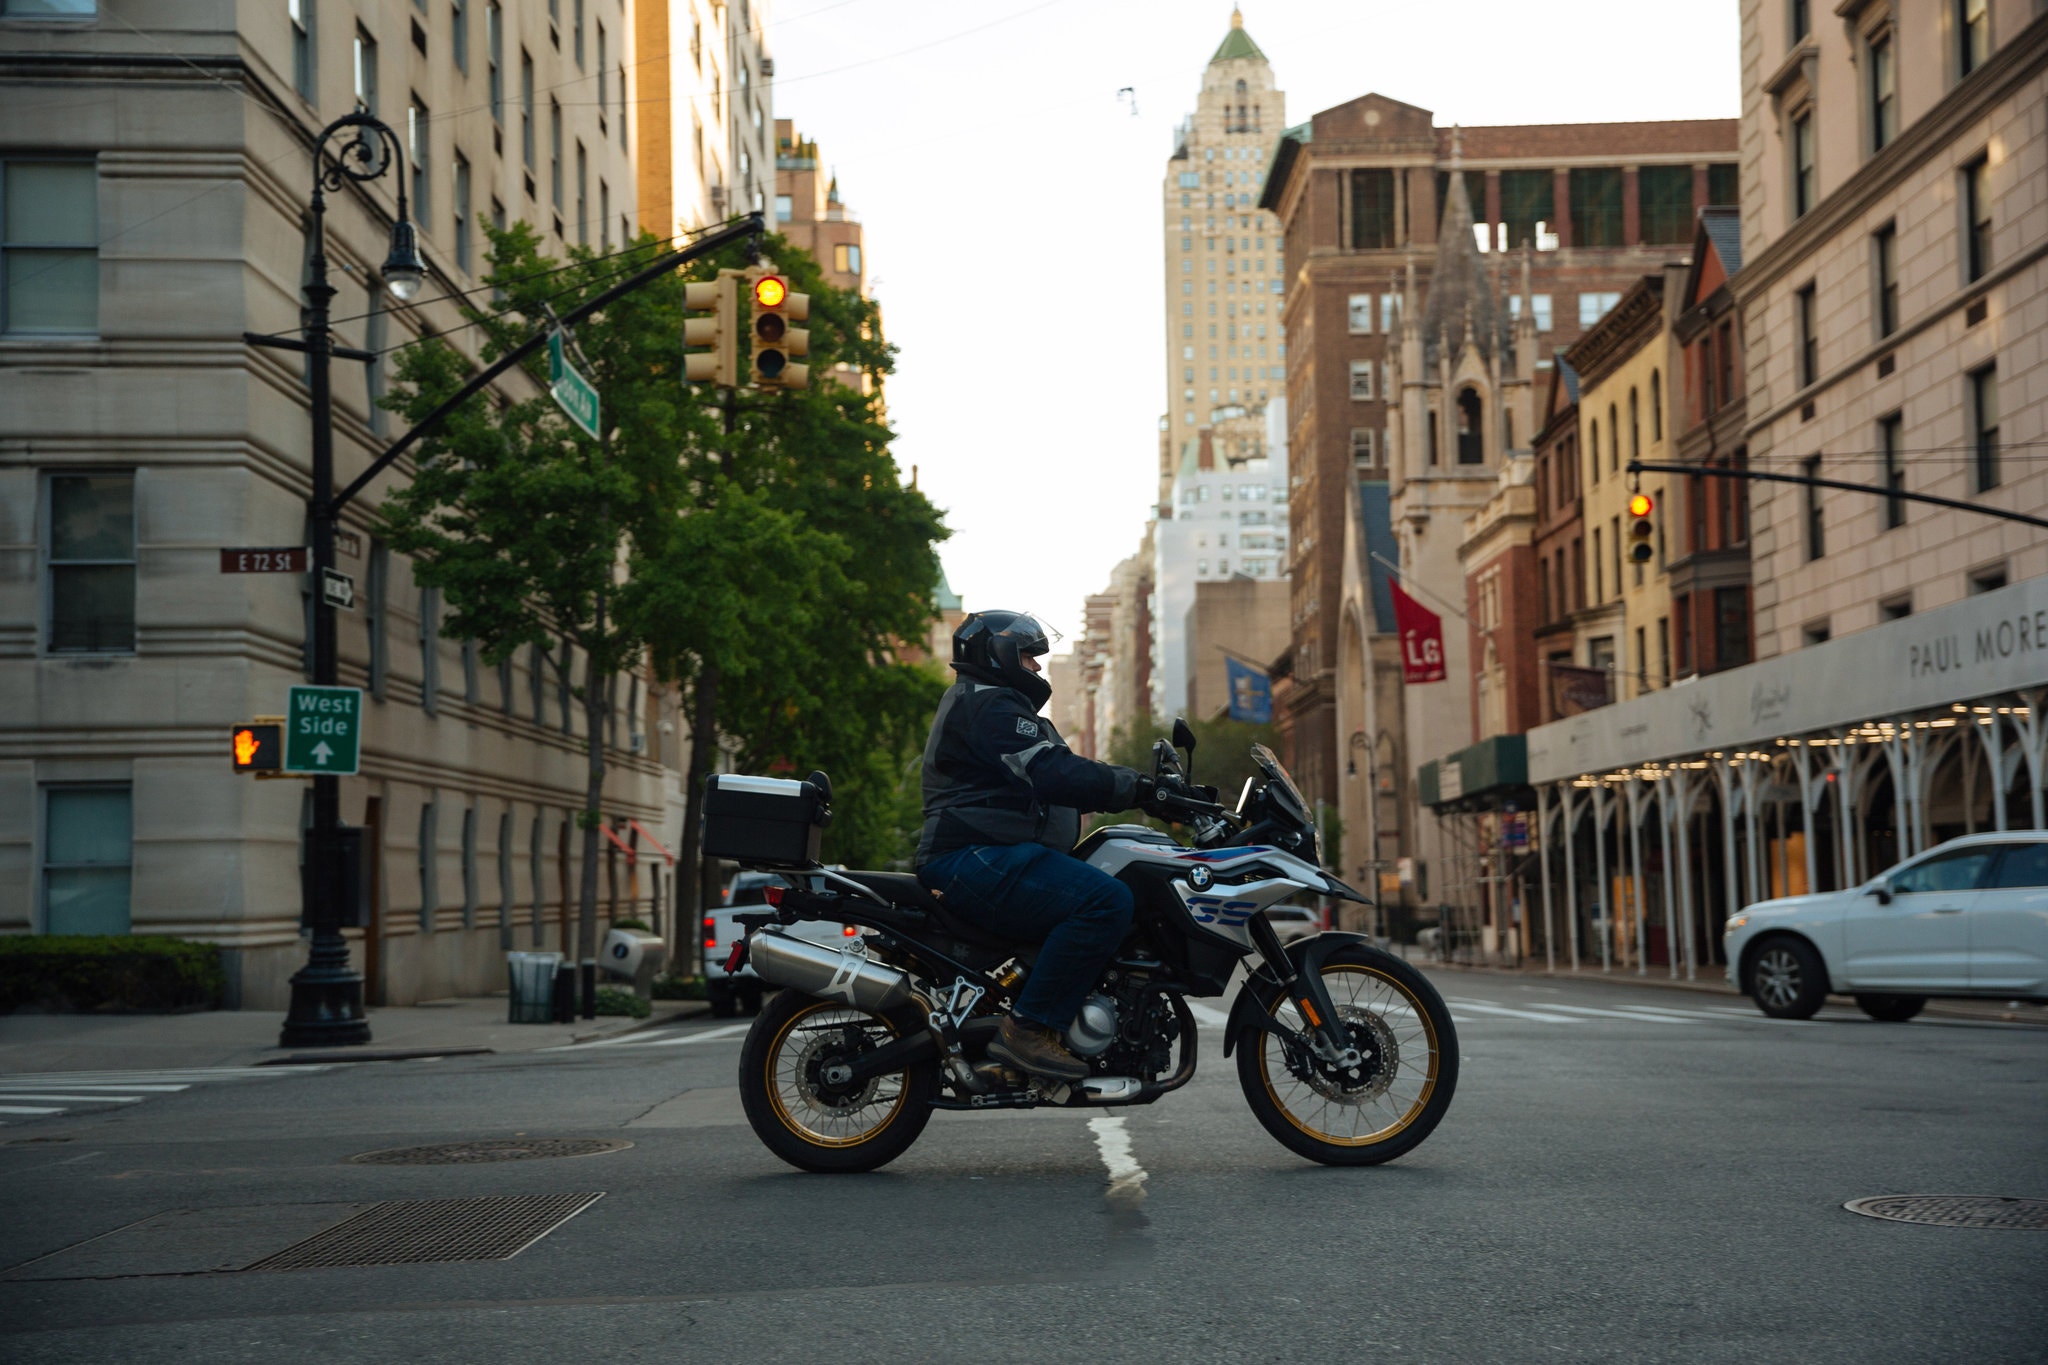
[[1642, 532], [777, 345], [719, 363]]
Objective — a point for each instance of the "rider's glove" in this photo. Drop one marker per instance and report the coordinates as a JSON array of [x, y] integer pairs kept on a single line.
[[1144, 792]]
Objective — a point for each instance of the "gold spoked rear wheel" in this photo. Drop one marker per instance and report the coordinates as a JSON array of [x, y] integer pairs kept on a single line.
[[1400, 1023], [803, 1115]]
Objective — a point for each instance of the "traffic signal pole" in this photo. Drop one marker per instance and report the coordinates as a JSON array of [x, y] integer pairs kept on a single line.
[[1813, 481]]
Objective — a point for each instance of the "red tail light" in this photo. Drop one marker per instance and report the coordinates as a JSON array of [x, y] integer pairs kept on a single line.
[[773, 895], [710, 923], [710, 943], [851, 931]]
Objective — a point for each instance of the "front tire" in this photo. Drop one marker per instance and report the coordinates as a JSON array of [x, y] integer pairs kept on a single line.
[[803, 1118], [1390, 1010], [1891, 1009], [1787, 978]]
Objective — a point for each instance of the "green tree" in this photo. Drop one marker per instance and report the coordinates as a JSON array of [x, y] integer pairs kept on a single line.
[[1223, 753]]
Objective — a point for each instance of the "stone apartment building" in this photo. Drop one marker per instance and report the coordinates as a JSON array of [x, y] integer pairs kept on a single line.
[[1357, 191], [155, 168], [702, 72]]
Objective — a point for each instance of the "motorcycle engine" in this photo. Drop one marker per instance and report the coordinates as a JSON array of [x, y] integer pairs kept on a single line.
[[1094, 1027]]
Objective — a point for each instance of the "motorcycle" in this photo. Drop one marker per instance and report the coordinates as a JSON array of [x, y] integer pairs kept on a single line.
[[1345, 1053]]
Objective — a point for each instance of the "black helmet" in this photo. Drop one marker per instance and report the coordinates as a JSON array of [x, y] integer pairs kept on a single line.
[[989, 647]]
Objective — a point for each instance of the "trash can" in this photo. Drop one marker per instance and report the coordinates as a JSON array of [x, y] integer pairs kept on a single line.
[[533, 987]]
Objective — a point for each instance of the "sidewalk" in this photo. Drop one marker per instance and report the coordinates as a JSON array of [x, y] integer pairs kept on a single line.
[[157, 1042], [2005, 1011]]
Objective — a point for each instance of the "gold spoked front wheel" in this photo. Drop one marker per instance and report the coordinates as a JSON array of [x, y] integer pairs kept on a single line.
[[799, 1101], [1399, 1024]]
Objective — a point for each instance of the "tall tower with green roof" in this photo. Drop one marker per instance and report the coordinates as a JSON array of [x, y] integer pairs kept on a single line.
[[1222, 255]]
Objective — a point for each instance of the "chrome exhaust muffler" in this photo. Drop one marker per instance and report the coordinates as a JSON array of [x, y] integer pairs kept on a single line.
[[828, 973]]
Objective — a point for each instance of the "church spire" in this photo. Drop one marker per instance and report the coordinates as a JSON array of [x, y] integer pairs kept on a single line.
[[1461, 302]]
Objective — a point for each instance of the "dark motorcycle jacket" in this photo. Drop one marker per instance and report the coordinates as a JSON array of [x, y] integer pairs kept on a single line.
[[995, 772]]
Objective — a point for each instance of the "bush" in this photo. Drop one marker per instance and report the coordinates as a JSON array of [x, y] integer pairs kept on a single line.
[[612, 1000], [679, 988], [81, 972]]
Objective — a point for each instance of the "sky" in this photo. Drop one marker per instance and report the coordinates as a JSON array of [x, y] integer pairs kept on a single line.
[[1011, 211]]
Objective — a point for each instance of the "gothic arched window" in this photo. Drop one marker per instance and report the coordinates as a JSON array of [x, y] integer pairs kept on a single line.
[[1471, 431]]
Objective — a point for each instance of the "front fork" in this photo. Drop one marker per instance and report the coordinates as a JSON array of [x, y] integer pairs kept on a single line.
[[1326, 1036]]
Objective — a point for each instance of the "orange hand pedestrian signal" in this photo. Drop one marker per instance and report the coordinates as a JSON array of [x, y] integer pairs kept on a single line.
[[259, 747]]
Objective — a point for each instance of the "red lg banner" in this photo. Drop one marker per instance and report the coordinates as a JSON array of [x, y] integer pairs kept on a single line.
[[1422, 639]]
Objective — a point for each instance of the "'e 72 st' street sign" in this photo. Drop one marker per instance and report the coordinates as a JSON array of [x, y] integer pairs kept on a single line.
[[323, 730]]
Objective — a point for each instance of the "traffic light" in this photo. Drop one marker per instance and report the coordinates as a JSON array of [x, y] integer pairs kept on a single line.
[[777, 344], [1642, 533], [720, 364], [259, 747]]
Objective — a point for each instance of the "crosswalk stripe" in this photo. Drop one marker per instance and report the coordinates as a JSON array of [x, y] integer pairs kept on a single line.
[[707, 1036], [1676, 1014], [1615, 1014], [76, 1099], [7, 1089], [23, 1109], [1486, 1007], [27, 1093]]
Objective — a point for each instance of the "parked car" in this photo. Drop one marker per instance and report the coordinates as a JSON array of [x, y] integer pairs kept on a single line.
[[740, 991], [1968, 918], [1291, 922]]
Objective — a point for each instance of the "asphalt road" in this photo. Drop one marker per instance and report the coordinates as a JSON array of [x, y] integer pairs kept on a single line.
[[1627, 1175]]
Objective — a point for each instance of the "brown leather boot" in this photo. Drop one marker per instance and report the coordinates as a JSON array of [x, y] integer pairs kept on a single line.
[[1036, 1050]]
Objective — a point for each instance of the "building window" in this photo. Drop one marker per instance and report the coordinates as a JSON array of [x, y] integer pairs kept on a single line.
[[1815, 633], [471, 691], [604, 217], [1596, 206], [1977, 218], [577, 45], [1471, 432], [376, 619], [1593, 447], [1884, 94], [88, 845], [1731, 626], [505, 879], [1665, 194], [430, 835], [1656, 405], [604, 98], [1984, 425], [1803, 323], [494, 54], [1372, 209], [1542, 308], [1804, 186], [846, 258], [785, 209], [1894, 474], [468, 867], [366, 72], [1528, 207], [1613, 440], [1973, 34], [537, 682], [526, 129], [1800, 13], [1593, 307], [1362, 454], [1358, 312], [430, 650], [555, 153], [49, 247], [1361, 381], [582, 194], [416, 121], [305, 67], [91, 559], [1895, 609], [1816, 528], [464, 256], [458, 34], [1635, 427], [1884, 255], [1989, 579]]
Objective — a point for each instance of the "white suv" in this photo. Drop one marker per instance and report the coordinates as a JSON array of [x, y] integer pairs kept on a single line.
[[1968, 918]]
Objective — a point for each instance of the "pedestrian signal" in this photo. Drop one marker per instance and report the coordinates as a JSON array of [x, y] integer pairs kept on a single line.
[[258, 748], [778, 345], [1642, 532], [719, 362]]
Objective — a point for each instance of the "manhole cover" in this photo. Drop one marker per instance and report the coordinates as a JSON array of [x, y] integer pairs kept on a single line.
[[419, 1231], [1955, 1210], [490, 1149]]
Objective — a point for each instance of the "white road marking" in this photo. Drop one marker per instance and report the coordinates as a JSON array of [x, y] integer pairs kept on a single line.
[[1486, 1007], [8, 1088], [1677, 1014], [707, 1036], [70, 1089], [1208, 1016], [1113, 1141], [23, 1109], [73, 1099], [1612, 1014]]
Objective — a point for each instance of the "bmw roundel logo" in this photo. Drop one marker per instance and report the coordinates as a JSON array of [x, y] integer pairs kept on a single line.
[[1200, 876]]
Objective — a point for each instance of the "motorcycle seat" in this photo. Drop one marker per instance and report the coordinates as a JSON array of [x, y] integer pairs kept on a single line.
[[905, 890]]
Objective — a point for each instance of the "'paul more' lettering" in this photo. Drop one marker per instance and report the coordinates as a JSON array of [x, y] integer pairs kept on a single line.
[[2016, 635], [1936, 656]]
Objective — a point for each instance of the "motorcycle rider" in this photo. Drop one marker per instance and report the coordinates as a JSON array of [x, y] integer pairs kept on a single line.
[[1003, 797]]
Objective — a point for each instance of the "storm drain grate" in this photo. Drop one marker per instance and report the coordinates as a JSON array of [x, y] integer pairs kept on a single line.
[[1956, 1210], [493, 1149], [421, 1231]]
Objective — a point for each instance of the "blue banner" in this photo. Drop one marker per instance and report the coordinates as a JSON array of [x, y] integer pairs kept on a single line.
[[1251, 693]]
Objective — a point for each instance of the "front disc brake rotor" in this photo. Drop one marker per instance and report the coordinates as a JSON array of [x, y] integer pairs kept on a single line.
[[1380, 1053]]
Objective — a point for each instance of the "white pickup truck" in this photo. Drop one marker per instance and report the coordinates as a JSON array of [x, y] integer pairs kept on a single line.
[[740, 992]]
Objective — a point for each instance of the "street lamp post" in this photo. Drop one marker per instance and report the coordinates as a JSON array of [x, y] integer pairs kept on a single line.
[[327, 993]]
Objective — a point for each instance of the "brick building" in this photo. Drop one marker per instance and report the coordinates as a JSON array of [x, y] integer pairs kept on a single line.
[[810, 213], [1560, 545]]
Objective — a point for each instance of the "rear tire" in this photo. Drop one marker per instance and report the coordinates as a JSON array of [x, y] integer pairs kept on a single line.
[[800, 1117], [1787, 978], [1390, 1007], [1891, 1009]]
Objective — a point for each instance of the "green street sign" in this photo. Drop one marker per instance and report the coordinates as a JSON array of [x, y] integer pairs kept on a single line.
[[571, 390], [323, 730]]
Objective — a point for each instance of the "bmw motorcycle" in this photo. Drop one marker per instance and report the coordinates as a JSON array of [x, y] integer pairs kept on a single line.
[[1345, 1053]]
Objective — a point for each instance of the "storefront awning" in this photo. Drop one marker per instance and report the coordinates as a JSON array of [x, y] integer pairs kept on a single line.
[[1483, 776]]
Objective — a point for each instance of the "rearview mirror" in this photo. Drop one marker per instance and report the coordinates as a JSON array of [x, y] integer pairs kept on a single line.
[[1882, 892], [1183, 737]]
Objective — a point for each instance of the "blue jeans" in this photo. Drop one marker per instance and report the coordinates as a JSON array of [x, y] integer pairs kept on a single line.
[[1036, 893]]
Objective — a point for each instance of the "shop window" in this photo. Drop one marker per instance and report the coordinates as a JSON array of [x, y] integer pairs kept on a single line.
[[87, 849]]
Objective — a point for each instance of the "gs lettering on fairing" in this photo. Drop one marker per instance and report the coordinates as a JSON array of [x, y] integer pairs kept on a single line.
[[1345, 1053]]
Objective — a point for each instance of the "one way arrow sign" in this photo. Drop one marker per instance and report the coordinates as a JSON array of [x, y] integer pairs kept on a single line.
[[321, 753]]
